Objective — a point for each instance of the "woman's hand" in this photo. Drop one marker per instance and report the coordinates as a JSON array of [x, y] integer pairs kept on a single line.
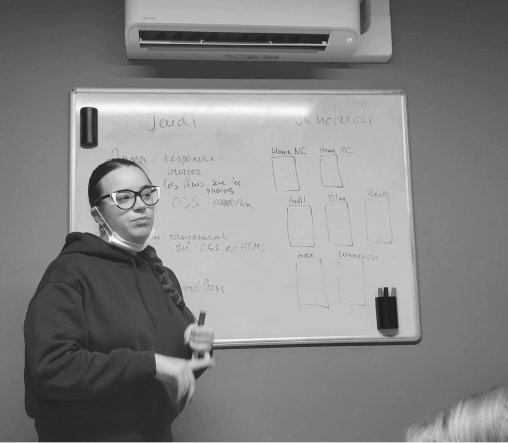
[[199, 338], [170, 370]]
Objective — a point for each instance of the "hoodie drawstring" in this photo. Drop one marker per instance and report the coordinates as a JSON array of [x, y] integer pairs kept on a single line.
[[140, 292]]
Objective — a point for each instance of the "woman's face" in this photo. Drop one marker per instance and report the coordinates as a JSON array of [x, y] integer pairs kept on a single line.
[[133, 224]]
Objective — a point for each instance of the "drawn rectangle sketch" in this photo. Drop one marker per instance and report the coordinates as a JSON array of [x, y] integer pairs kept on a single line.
[[351, 282], [311, 284], [285, 174], [339, 224], [330, 174], [379, 224], [300, 226]]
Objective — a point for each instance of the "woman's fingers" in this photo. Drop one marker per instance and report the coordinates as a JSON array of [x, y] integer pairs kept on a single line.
[[172, 369], [199, 338], [181, 388], [187, 333], [192, 388], [186, 384], [201, 363]]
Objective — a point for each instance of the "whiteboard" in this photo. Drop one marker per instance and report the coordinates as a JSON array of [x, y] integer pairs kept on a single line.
[[281, 212]]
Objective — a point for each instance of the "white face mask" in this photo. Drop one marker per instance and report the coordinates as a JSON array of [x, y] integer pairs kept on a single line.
[[115, 239]]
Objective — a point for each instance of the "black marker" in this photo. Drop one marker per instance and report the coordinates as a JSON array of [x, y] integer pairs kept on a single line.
[[386, 309], [88, 127], [201, 322]]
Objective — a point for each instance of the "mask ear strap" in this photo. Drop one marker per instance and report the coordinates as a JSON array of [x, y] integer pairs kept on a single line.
[[104, 225], [96, 214]]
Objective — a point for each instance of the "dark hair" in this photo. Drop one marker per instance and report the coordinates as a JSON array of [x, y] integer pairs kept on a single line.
[[94, 192], [167, 283], [94, 183]]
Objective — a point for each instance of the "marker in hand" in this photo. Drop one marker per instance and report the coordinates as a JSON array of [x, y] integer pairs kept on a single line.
[[201, 322], [199, 338]]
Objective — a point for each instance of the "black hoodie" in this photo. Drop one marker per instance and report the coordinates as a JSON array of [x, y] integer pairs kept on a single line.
[[91, 331]]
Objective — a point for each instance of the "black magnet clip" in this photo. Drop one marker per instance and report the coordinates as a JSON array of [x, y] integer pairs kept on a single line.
[[89, 128], [386, 309]]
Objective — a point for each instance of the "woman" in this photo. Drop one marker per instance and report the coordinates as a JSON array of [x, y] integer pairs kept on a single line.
[[480, 417], [108, 338]]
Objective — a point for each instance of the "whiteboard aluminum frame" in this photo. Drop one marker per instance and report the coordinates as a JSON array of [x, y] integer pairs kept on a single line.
[[278, 341]]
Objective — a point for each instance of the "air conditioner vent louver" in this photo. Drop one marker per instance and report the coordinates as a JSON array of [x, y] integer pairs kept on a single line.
[[261, 30], [232, 40]]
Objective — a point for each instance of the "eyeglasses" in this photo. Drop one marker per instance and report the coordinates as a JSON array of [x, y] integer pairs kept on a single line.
[[126, 199]]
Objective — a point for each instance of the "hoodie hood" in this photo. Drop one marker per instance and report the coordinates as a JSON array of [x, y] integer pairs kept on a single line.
[[91, 245]]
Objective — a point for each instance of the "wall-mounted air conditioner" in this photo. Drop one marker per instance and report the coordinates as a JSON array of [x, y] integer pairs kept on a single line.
[[269, 30]]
